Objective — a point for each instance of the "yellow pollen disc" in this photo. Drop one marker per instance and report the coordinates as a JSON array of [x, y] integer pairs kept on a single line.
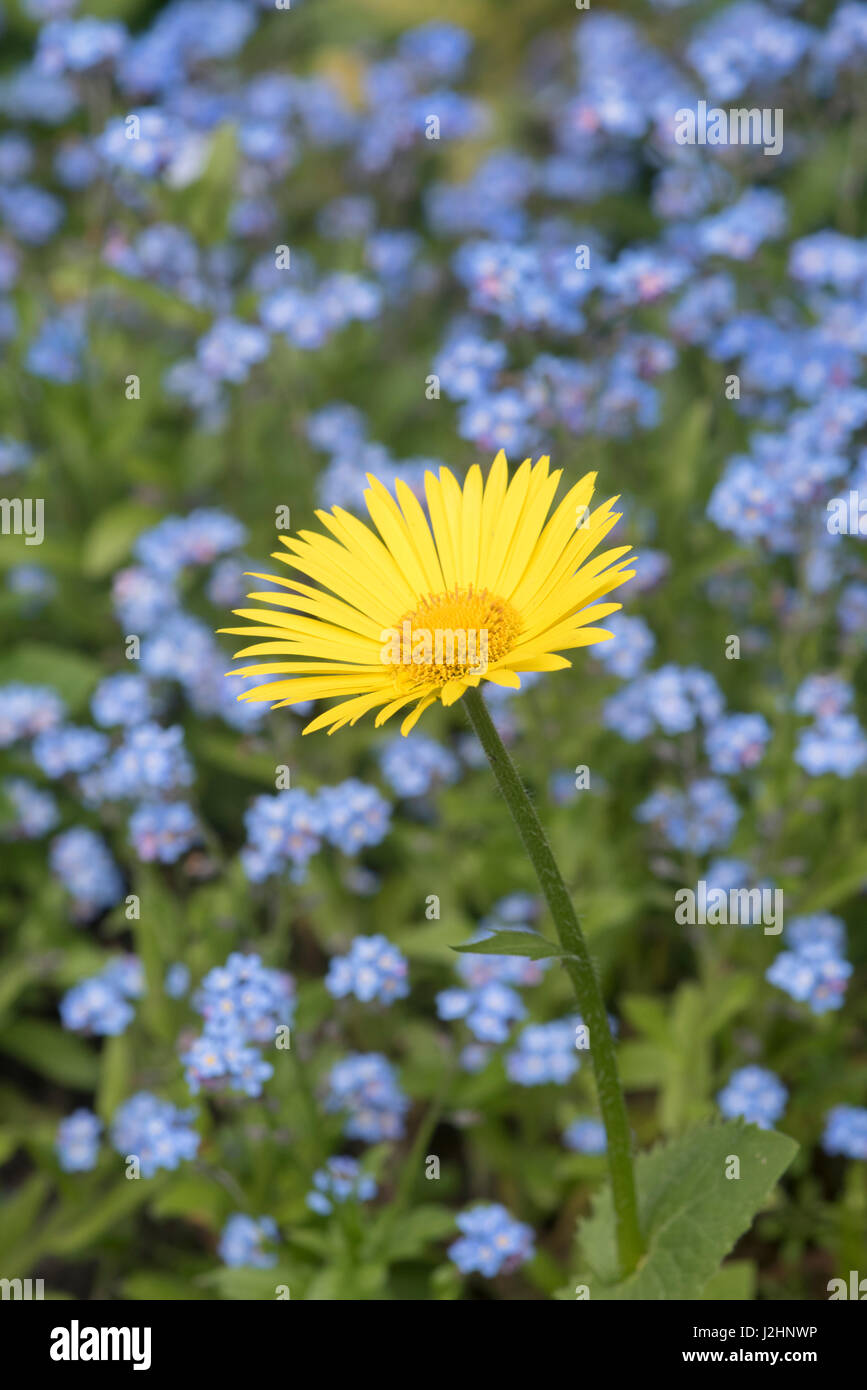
[[452, 635]]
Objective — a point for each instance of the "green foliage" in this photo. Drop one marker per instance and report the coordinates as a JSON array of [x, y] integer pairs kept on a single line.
[[690, 1004], [692, 1212]]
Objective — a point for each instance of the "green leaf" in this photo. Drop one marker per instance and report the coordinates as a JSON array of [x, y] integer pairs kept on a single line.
[[684, 448], [20, 1211], [445, 1283], [837, 883], [648, 1015], [204, 205], [515, 943], [735, 1282], [51, 1052], [114, 1075], [16, 977], [690, 1212], [76, 1227], [731, 995], [68, 1237], [643, 1066], [192, 1197], [417, 1230], [110, 538]]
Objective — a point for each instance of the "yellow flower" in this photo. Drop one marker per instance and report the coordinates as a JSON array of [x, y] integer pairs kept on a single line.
[[422, 610]]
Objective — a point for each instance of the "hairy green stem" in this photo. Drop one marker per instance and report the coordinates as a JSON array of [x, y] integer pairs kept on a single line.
[[579, 966]]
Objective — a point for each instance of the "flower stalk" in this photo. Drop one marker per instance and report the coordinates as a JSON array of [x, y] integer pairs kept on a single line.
[[579, 967]]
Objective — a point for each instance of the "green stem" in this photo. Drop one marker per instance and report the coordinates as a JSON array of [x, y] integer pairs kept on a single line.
[[583, 976]]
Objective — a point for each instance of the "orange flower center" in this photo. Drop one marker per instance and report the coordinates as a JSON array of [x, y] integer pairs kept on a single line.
[[448, 636]]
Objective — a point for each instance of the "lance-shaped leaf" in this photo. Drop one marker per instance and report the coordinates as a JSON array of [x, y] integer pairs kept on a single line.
[[692, 1207], [514, 943]]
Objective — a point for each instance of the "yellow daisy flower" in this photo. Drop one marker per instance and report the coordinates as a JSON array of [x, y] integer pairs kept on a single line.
[[417, 611]]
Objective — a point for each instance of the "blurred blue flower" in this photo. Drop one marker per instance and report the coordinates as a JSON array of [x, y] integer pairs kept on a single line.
[[846, 1131], [412, 766], [364, 1087], [155, 1132], [586, 1137], [35, 811], [77, 1142], [756, 1094], [341, 1180], [80, 859], [163, 831], [492, 1242], [700, 819], [373, 969], [243, 1239], [546, 1052], [736, 742]]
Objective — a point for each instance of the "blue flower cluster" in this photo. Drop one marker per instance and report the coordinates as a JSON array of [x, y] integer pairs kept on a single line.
[[290, 827], [835, 742], [586, 1137], [491, 1242], [34, 585], [814, 970], [726, 875], [163, 830], [243, 1004], [736, 742], [121, 700], [101, 1005], [340, 432], [341, 1180], [145, 763], [702, 818], [26, 711], [546, 1052], [488, 1002], [82, 862], [177, 980], [364, 1087], [754, 1093], [519, 268], [176, 645], [77, 1142], [672, 699], [846, 1131], [373, 969], [243, 1240], [629, 650], [34, 811], [414, 765], [155, 1132], [66, 749], [354, 815]]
